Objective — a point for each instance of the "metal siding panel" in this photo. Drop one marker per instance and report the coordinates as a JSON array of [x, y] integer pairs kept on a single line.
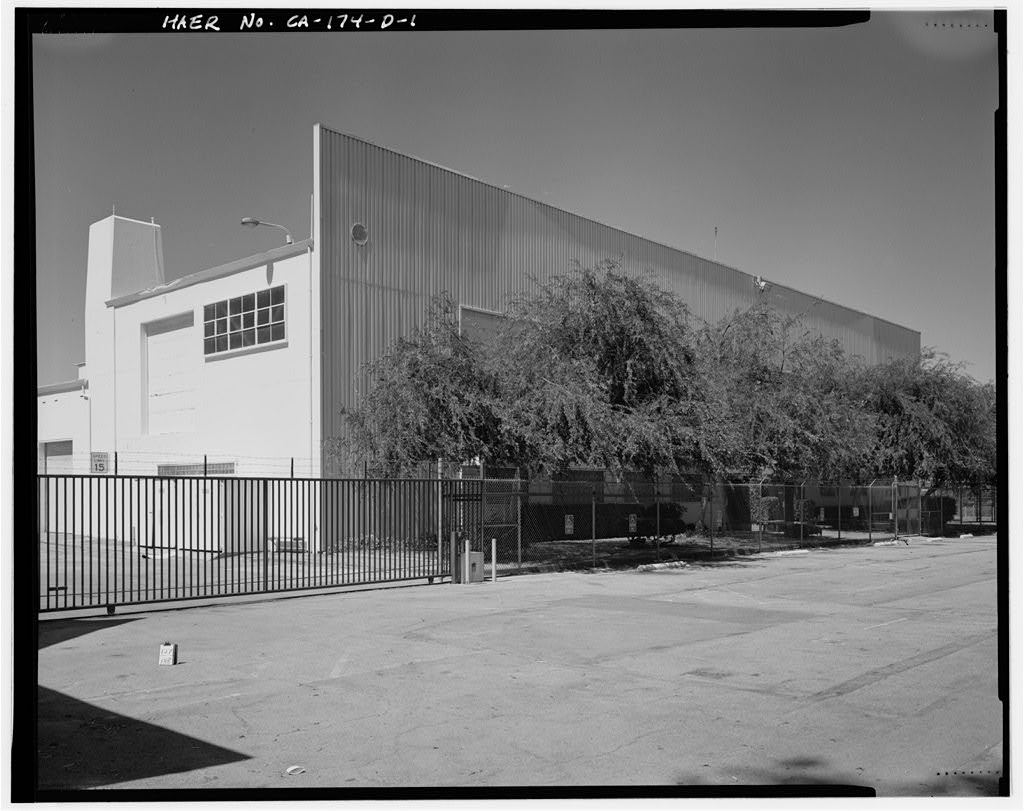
[[432, 230]]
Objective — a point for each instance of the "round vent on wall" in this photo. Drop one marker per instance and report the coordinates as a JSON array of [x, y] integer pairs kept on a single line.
[[359, 234]]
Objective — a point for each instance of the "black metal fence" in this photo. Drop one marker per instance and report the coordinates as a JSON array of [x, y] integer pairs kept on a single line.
[[116, 540]]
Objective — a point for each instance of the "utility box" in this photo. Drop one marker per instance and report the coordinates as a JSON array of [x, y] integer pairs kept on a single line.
[[476, 567]]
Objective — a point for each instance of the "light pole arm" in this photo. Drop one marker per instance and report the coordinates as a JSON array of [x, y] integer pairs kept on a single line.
[[252, 222]]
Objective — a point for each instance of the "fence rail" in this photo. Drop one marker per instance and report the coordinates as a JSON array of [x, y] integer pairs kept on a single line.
[[116, 540]]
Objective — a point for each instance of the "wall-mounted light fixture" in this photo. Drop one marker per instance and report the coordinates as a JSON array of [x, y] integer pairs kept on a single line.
[[252, 222]]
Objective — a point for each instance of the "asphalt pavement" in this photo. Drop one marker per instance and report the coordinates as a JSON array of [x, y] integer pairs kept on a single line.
[[866, 666]]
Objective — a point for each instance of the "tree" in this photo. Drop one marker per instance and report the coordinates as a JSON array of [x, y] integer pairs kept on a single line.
[[787, 406], [598, 369], [430, 397], [931, 421]]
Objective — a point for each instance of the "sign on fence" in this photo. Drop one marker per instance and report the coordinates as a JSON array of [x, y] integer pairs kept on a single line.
[[99, 462], [632, 523], [569, 524], [856, 512]]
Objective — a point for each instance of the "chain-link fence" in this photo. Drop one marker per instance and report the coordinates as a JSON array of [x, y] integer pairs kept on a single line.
[[591, 521], [959, 509]]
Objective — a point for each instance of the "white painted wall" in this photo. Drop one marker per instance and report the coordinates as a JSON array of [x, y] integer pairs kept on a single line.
[[65, 416], [100, 334], [247, 405]]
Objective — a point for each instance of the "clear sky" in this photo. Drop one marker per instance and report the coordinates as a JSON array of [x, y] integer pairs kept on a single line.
[[851, 163]]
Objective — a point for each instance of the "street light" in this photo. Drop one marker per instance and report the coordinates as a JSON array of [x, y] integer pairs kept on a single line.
[[252, 222]]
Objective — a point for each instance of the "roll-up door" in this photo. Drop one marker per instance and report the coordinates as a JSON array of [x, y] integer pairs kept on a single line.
[[173, 357]]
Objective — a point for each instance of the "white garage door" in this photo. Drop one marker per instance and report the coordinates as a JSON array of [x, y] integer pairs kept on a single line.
[[58, 457], [173, 356]]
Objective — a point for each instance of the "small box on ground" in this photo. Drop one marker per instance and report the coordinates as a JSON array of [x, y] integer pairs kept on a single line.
[[168, 653]]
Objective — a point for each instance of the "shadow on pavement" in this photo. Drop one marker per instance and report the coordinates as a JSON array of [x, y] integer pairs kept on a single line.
[[809, 776], [951, 784], [812, 773], [83, 746], [53, 632]]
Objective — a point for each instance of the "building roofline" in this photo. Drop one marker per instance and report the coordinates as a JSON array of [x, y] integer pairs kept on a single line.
[[843, 306], [60, 388], [714, 262], [152, 223], [236, 266]]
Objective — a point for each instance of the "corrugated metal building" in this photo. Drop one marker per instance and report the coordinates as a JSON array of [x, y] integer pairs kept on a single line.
[[171, 379], [392, 231]]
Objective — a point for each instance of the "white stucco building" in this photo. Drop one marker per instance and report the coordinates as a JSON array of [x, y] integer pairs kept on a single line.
[[217, 363]]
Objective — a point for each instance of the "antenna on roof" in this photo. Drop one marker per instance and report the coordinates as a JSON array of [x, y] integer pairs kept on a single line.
[[113, 209]]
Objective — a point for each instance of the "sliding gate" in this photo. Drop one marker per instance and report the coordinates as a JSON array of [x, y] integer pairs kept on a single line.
[[119, 540]]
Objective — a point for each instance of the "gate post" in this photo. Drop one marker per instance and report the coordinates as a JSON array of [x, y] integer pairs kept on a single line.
[[657, 520], [959, 507], [803, 509], [870, 514], [266, 528], [894, 506], [839, 510], [440, 515], [921, 508], [483, 509], [519, 524], [711, 519], [760, 514], [593, 527]]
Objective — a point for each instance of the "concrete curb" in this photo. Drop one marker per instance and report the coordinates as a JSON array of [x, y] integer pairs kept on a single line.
[[656, 567]]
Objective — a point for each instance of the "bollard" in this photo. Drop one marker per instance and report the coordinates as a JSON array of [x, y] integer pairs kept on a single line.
[[494, 560], [465, 562]]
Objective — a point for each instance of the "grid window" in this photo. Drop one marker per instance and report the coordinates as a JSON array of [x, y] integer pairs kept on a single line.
[[249, 320]]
